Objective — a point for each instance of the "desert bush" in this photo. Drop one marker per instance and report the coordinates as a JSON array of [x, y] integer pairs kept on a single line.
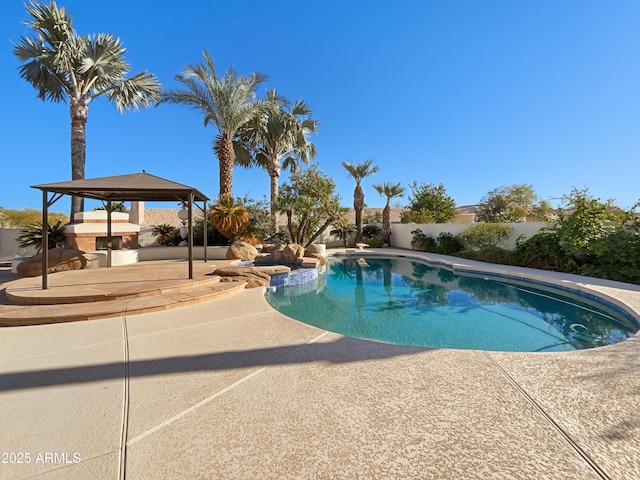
[[482, 236], [423, 242], [449, 244]]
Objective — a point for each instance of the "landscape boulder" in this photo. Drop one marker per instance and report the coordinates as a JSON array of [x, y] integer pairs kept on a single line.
[[277, 254], [316, 249], [293, 252], [241, 251], [60, 260], [253, 276]]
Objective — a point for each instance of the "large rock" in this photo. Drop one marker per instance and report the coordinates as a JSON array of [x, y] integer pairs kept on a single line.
[[241, 251], [277, 254], [316, 249], [293, 252], [60, 260], [252, 275], [321, 259]]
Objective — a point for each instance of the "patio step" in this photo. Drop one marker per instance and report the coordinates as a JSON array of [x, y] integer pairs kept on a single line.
[[162, 299], [87, 293]]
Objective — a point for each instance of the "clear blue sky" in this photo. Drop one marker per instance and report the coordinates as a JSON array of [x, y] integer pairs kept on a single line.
[[471, 94]]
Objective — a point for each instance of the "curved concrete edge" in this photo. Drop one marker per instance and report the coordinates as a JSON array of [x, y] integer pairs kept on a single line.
[[29, 315]]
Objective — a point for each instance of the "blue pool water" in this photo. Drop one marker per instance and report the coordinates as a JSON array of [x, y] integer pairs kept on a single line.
[[406, 302]]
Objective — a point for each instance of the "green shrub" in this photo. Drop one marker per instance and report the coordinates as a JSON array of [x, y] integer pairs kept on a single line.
[[374, 242], [449, 244], [371, 231], [490, 255], [615, 257], [543, 250], [482, 236], [214, 237], [422, 242]]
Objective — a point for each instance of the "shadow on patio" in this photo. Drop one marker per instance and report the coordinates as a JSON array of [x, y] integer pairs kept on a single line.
[[341, 350]]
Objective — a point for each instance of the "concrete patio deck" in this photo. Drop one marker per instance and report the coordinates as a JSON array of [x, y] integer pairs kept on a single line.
[[232, 389]]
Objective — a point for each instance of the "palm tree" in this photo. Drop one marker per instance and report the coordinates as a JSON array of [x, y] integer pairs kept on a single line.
[[359, 171], [31, 236], [278, 139], [229, 217], [390, 191], [63, 65], [163, 232], [343, 230], [228, 103]]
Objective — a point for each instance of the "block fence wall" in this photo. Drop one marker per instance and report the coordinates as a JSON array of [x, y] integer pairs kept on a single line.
[[401, 232], [9, 246]]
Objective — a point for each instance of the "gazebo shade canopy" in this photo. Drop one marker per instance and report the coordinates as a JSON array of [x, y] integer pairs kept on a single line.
[[133, 187]]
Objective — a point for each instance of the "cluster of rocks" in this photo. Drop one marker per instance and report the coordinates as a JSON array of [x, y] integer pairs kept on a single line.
[[274, 258], [272, 253]]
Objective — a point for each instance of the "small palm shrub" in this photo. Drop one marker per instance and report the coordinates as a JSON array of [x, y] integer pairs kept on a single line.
[[163, 232], [372, 236], [343, 231], [229, 217], [31, 236]]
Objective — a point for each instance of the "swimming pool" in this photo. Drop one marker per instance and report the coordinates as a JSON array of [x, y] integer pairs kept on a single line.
[[408, 302]]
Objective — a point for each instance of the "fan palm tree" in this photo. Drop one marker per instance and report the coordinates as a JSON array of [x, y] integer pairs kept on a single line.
[[62, 65], [227, 102], [390, 191], [359, 171], [278, 139]]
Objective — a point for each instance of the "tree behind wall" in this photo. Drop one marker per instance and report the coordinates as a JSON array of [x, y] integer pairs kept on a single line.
[[429, 203], [512, 204]]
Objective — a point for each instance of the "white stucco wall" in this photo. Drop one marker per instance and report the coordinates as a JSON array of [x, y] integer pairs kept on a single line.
[[9, 246], [169, 253], [401, 232]]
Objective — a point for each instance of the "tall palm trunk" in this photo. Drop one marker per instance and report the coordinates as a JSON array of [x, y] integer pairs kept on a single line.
[[274, 170], [227, 159], [78, 110], [358, 205], [386, 224]]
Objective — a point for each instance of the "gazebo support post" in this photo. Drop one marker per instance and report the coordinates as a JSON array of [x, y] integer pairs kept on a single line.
[[109, 241], [205, 224], [45, 238], [190, 234]]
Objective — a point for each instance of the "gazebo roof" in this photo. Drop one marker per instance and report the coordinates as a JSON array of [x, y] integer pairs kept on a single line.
[[133, 187]]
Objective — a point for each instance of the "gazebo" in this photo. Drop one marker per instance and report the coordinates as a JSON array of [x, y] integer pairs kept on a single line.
[[120, 188]]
